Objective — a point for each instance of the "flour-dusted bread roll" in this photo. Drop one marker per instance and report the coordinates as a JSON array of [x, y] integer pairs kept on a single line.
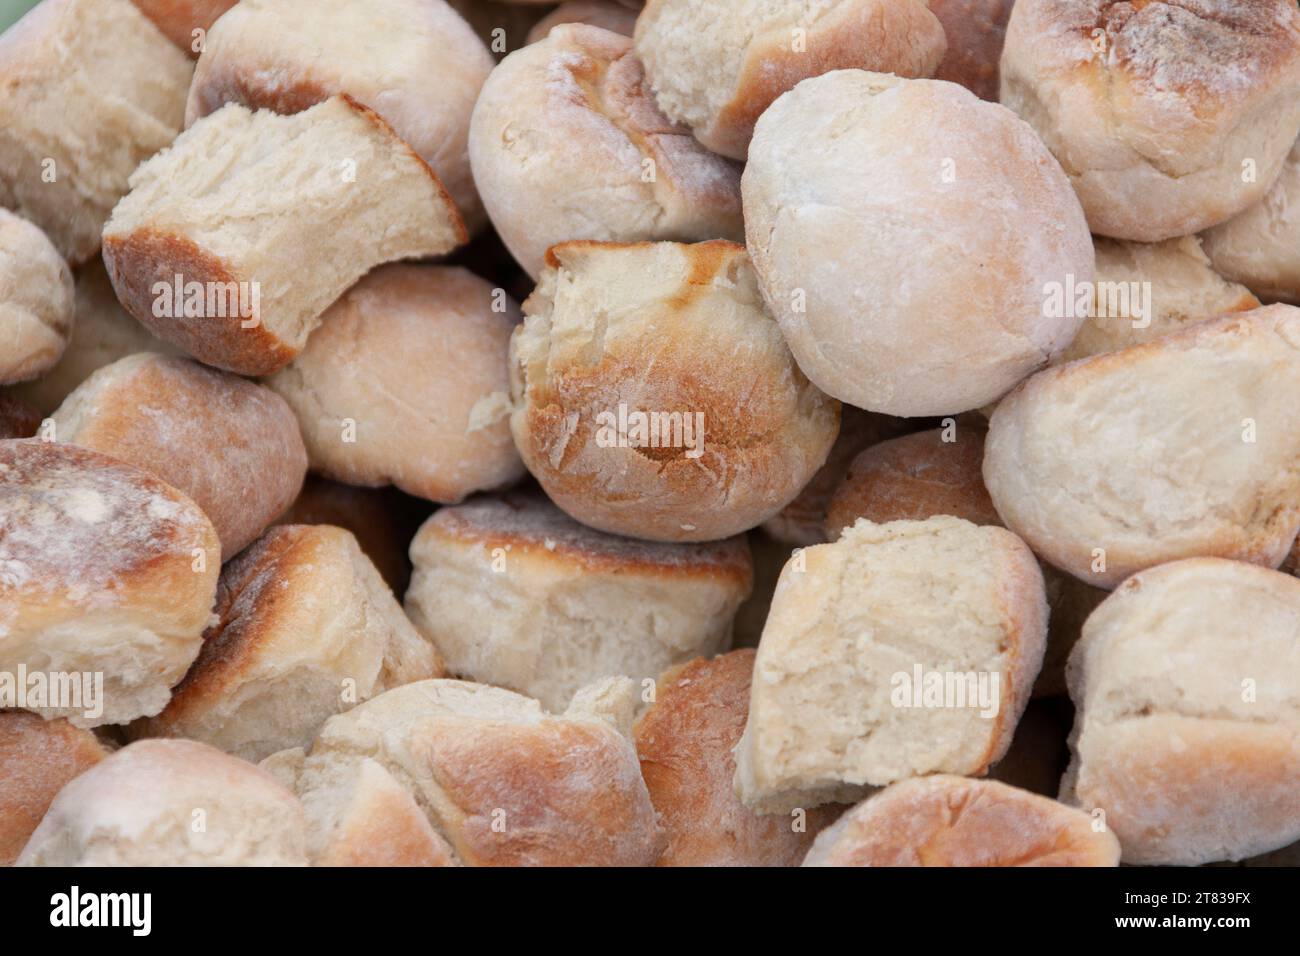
[[414, 62], [606, 14], [1260, 246], [566, 143], [515, 593], [36, 300], [91, 90], [1168, 117], [655, 397], [1184, 446], [171, 803], [902, 649], [232, 242], [230, 444], [104, 571], [17, 418], [1187, 734], [185, 22], [501, 780], [685, 740], [975, 30], [952, 821], [37, 758], [407, 382], [1146, 290], [947, 218], [305, 629], [717, 67]]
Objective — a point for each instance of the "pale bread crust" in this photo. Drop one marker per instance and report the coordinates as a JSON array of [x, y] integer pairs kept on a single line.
[[36, 300]]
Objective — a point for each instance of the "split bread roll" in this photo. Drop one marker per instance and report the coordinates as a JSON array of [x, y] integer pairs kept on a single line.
[[213, 253], [606, 14], [305, 629], [948, 218], [859, 633], [170, 803], [516, 594], [1168, 118], [1187, 734], [1146, 290], [104, 571], [230, 444], [975, 30], [36, 300], [566, 143], [684, 740], [501, 780], [1185, 446], [185, 22], [717, 67], [414, 62], [37, 759], [952, 821], [1260, 246], [655, 397], [91, 90], [410, 359]]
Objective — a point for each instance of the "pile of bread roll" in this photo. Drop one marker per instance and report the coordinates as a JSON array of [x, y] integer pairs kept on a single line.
[[678, 433]]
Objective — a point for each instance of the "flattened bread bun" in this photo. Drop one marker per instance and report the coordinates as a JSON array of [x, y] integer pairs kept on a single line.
[[654, 396], [36, 296]]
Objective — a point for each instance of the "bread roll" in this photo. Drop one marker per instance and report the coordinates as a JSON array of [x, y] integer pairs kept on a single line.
[[17, 418], [102, 333], [716, 67], [214, 253], [606, 14], [505, 783], [91, 90], [1188, 445], [975, 30], [411, 358], [903, 232], [170, 803], [105, 572], [1146, 290], [1168, 118], [35, 300], [685, 740], [951, 821], [208, 433], [655, 397], [305, 629], [515, 593], [566, 143], [859, 633], [414, 62], [37, 758], [1260, 246], [185, 22], [1187, 684]]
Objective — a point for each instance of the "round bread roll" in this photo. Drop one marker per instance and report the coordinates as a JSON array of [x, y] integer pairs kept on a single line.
[[17, 418], [606, 14], [1260, 246], [170, 803], [655, 397], [502, 781], [185, 22], [37, 758], [975, 30], [1168, 117], [684, 741], [305, 628], [860, 631], [566, 143], [951, 821], [515, 593], [1187, 734], [946, 217], [36, 296], [717, 67], [1184, 446], [410, 360], [1146, 290], [105, 572], [205, 432], [414, 62]]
